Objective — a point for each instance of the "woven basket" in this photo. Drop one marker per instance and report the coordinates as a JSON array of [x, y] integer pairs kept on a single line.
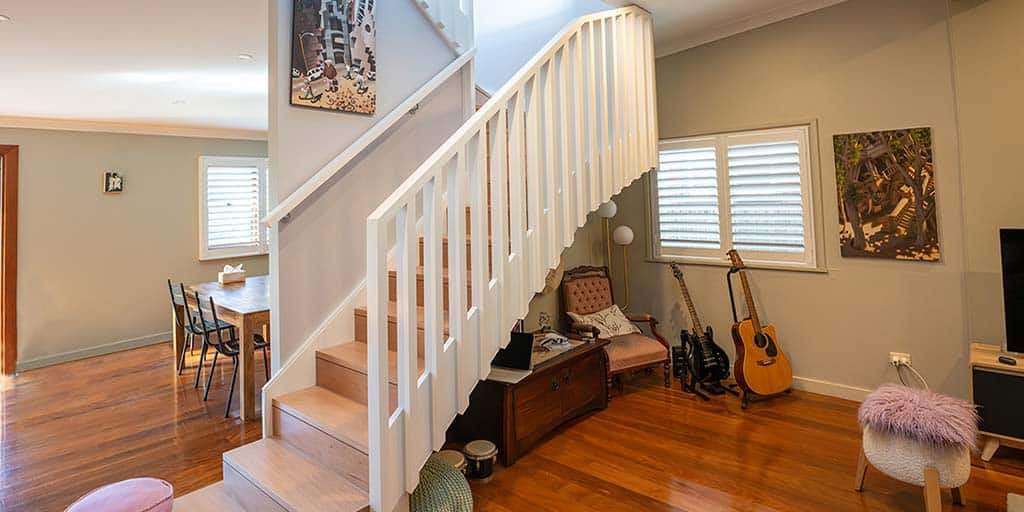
[[442, 488]]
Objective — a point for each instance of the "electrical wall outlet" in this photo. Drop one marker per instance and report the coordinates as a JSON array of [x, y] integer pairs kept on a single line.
[[899, 358]]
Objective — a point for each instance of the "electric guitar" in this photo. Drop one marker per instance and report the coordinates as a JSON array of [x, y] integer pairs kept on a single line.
[[708, 363], [761, 366]]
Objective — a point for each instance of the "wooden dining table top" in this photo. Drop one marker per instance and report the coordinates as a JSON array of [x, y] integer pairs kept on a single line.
[[247, 297]]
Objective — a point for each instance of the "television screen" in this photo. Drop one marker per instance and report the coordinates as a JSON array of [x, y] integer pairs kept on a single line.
[[1011, 242]]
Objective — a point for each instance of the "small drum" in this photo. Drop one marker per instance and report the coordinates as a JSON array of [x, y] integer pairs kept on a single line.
[[455, 459], [480, 457]]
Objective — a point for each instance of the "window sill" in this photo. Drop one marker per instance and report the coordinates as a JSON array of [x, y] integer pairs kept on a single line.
[[751, 264], [233, 254]]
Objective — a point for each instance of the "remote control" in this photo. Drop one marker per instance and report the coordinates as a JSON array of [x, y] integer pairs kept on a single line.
[[1008, 360]]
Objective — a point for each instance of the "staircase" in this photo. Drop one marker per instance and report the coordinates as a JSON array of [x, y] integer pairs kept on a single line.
[[454, 257]]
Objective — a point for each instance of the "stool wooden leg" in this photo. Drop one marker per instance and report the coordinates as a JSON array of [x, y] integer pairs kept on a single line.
[[862, 469], [932, 493], [958, 496]]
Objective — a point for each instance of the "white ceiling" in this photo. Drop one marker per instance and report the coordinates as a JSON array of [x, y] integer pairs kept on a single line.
[[682, 24], [158, 63], [171, 66]]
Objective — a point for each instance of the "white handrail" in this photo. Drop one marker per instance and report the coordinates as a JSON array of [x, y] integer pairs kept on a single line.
[[573, 127], [364, 141]]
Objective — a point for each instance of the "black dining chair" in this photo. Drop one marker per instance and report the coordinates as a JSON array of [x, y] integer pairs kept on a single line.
[[193, 328], [227, 346]]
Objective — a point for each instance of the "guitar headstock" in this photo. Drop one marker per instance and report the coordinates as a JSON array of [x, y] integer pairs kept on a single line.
[[734, 258], [676, 271]]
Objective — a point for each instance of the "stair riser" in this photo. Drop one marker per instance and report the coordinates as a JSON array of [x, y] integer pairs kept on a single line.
[[444, 254], [247, 494], [323, 448], [393, 289], [348, 383], [361, 333]]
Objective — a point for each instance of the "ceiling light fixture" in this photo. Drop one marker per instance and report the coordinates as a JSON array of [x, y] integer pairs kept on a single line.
[[4, 17], [247, 57], [178, 102]]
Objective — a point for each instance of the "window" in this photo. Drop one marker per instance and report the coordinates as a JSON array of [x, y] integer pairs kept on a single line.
[[747, 190], [232, 199]]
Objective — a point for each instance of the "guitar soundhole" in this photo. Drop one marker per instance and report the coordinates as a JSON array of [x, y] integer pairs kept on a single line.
[[764, 341], [760, 340]]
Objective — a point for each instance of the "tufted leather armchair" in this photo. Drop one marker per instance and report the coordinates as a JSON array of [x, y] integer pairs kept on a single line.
[[586, 290]]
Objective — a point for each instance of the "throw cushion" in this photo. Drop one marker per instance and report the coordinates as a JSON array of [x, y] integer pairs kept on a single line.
[[133, 495], [611, 321]]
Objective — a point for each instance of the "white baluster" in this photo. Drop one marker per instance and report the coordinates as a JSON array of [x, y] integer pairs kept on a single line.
[[498, 151], [537, 238], [581, 195], [433, 306], [519, 262], [652, 94], [479, 239], [457, 273]]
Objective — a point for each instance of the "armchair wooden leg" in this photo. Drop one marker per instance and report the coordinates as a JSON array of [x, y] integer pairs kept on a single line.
[[862, 469], [668, 374], [932, 493]]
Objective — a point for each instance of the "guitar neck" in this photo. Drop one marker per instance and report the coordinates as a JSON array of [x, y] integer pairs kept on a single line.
[[694, 319], [750, 302]]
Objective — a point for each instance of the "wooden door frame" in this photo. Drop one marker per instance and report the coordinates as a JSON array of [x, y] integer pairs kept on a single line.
[[8, 259]]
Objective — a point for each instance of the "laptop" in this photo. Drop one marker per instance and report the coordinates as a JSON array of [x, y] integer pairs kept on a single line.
[[518, 355]]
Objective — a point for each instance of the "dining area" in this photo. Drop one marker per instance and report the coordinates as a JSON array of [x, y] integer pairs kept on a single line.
[[222, 322]]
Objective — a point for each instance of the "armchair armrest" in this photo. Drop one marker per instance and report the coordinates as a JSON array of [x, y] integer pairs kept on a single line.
[[585, 329], [653, 322]]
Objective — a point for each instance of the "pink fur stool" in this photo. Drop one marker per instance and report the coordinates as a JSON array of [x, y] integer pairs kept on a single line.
[[918, 437], [134, 495]]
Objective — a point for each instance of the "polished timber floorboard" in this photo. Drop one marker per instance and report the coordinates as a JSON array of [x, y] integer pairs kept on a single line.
[[69, 428], [73, 427], [659, 449]]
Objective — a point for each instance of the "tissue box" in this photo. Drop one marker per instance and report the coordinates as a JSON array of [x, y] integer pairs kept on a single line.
[[231, 277]]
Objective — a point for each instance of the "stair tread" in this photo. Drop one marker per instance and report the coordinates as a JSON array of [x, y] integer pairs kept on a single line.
[[393, 314], [294, 482], [342, 418], [212, 498], [353, 356]]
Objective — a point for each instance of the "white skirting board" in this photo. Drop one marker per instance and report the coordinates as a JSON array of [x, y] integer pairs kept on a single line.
[[824, 387], [109, 348], [300, 370]]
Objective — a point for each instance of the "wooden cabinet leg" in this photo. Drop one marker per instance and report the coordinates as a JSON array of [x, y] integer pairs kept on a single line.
[[989, 450], [862, 469], [958, 496], [932, 492]]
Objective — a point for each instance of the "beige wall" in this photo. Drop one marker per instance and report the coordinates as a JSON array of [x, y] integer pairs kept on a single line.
[[861, 65], [989, 47], [92, 268]]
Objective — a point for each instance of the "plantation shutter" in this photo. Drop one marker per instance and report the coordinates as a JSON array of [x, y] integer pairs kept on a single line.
[[766, 195], [234, 199], [687, 196]]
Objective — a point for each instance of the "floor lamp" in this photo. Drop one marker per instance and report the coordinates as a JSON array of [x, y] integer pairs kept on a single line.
[[623, 236], [606, 212]]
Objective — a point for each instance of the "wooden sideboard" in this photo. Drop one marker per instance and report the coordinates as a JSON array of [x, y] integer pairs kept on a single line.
[[515, 416]]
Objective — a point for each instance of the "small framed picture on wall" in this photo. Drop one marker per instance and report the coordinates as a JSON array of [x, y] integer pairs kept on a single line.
[[113, 182]]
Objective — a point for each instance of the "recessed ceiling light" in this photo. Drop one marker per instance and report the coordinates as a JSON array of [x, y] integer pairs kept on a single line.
[[247, 57], [178, 102], [4, 17]]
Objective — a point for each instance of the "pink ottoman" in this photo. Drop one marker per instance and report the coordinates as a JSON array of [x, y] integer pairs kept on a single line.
[[133, 495]]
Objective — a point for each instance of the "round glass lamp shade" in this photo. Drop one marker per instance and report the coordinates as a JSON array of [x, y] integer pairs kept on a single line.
[[622, 235], [607, 210]]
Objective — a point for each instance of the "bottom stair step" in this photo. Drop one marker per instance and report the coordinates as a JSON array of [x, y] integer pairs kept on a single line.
[[212, 498], [270, 475]]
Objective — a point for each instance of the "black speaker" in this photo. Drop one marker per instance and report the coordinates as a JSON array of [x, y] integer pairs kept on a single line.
[[1000, 400]]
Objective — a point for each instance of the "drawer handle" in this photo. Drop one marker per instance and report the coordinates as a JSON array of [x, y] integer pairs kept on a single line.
[[568, 378], [554, 384]]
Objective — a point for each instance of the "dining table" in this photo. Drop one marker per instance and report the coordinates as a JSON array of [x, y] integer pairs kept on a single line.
[[245, 305]]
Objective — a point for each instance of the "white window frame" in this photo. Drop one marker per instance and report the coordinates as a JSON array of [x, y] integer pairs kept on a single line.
[[812, 258], [263, 247]]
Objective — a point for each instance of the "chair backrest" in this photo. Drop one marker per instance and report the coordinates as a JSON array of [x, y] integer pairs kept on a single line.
[[178, 303], [587, 290], [209, 308]]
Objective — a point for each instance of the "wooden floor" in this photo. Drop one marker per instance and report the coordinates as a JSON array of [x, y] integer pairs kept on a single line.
[[656, 449], [73, 427]]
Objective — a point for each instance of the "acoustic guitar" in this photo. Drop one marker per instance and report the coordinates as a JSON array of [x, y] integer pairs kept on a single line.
[[761, 366], [706, 361]]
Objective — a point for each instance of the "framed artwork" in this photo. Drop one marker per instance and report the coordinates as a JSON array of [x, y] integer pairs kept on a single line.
[[113, 182], [334, 60], [887, 203]]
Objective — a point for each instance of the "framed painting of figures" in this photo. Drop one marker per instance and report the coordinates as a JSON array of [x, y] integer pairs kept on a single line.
[[334, 62], [887, 203]]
